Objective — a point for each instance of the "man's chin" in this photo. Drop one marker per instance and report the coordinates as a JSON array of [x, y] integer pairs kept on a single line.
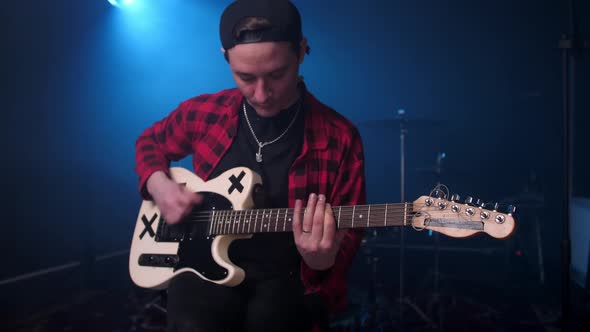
[[266, 112]]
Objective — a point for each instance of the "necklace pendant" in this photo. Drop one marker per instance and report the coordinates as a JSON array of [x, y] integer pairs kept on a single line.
[[259, 155]]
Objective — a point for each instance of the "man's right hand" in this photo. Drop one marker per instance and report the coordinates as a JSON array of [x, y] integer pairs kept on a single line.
[[174, 201]]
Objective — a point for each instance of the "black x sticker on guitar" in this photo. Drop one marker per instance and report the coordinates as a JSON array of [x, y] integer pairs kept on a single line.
[[148, 226], [236, 183]]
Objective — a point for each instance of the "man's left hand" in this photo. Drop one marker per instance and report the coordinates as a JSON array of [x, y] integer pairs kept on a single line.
[[316, 236]]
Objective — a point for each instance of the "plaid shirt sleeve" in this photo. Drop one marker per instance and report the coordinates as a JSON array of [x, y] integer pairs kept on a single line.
[[202, 126], [347, 189], [166, 140]]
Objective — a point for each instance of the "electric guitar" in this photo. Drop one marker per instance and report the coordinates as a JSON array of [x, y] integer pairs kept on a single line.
[[158, 250]]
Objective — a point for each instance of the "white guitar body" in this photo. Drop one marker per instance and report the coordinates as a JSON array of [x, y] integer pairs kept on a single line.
[[149, 259]]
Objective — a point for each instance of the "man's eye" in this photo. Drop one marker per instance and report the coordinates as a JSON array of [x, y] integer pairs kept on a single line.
[[247, 78], [278, 75]]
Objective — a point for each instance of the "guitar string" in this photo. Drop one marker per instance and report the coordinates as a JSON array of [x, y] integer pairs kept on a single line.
[[399, 214], [202, 216], [235, 216]]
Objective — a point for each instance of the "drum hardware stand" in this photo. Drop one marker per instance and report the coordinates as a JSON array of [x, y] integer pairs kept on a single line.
[[403, 300]]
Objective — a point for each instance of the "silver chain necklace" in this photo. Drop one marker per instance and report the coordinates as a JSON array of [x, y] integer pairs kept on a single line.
[[263, 144]]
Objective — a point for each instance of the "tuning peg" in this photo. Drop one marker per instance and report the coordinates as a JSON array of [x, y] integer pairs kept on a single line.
[[493, 206], [468, 200], [438, 193], [510, 209], [455, 197]]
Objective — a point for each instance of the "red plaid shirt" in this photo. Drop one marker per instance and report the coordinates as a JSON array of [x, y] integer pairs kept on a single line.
[[331, 163]]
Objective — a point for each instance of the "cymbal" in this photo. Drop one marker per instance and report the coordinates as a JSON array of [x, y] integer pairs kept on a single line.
[[413, 123], [443, 170]]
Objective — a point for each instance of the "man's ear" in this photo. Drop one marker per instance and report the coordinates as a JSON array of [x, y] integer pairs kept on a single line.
[[302, 49], [225, 54]]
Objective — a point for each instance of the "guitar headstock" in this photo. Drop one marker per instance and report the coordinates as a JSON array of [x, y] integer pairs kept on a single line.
[[462, 219]]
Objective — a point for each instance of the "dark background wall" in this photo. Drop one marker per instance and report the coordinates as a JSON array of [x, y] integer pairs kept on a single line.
[[81, 79]]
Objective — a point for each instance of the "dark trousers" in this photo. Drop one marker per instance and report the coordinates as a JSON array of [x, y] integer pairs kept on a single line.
[[263, 305]]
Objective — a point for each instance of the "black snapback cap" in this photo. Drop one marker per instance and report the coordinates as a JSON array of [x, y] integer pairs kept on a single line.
[[282, 14]]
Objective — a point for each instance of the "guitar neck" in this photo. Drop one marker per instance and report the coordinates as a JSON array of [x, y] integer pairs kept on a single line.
[[281, 220]]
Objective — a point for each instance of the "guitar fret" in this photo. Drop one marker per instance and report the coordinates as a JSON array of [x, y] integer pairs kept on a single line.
[[231, 222], [353, 208], [385, 222], [223, 223], [368, 216], [247, 222], [256, 220], [277, 221], [266, 225], [339, 211], [217, 221], [285, 221], [211, 221], [217, 225], [250, 220], [239, 221]]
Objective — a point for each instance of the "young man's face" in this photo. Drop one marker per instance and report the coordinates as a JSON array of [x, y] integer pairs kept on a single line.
[[266, 74]]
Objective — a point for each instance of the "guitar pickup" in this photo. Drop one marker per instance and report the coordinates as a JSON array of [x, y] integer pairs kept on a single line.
[[158, 260], [171, 233]]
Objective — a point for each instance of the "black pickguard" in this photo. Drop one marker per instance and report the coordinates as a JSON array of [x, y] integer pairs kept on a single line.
[[194, 243]]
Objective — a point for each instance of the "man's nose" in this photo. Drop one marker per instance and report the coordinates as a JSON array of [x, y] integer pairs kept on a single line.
[[262, 92]]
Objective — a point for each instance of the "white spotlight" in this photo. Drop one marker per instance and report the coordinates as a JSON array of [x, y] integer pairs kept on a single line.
[[121, 3]]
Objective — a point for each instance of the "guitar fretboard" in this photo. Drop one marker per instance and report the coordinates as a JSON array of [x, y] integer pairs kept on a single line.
[[281, 220]]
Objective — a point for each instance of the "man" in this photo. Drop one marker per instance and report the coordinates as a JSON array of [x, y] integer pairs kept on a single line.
[[308, 157]]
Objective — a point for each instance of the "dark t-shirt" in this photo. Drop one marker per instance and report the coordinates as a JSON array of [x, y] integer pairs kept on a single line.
[[267, 255]]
